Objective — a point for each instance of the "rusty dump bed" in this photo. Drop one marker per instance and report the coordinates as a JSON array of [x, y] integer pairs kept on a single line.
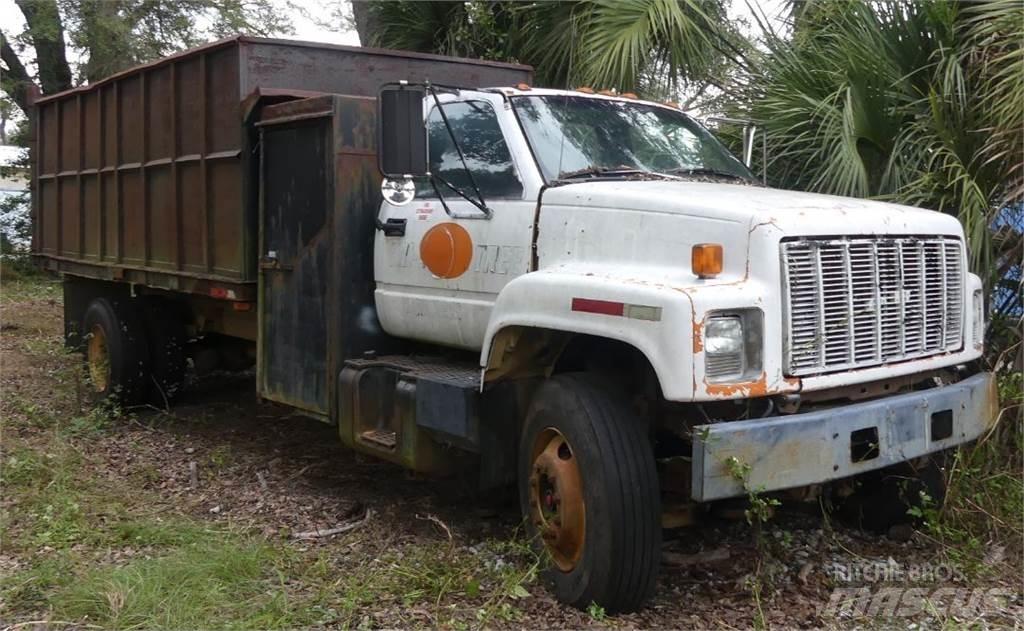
[[149, 176]]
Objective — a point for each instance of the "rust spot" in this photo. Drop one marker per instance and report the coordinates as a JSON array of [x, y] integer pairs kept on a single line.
[[747, 389], [446, 250], [585, 89], [698, 341]]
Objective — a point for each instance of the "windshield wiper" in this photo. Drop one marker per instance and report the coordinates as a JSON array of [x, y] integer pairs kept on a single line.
[[605, 172], [707, 171], [599, 171]]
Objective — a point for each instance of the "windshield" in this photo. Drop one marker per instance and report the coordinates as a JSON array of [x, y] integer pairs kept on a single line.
[[576, 135]]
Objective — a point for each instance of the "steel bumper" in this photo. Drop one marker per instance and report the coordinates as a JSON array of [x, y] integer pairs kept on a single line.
[[732, 458]]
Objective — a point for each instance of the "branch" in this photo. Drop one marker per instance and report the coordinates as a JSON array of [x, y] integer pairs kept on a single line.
[[352, 525], [15, 81]]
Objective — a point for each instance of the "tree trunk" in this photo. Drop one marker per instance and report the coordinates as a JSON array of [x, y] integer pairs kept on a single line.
[[46, 30], [366, 21]]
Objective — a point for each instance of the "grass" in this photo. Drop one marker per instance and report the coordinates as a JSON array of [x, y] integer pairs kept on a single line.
[[985, 495], [102, 550]]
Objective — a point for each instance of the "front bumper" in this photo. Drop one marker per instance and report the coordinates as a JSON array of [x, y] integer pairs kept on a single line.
[[731, 459]]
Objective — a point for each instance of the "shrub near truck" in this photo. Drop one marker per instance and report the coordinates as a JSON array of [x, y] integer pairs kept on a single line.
[[583, 294]]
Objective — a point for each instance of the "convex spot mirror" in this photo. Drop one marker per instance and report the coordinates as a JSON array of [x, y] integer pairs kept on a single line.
[[398, 192], [402, 150]]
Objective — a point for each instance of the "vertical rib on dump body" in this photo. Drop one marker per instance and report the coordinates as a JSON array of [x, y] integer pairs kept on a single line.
[[149, 176]]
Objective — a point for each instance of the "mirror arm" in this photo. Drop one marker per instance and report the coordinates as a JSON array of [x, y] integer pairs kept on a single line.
[[472, 180], [433, 182]]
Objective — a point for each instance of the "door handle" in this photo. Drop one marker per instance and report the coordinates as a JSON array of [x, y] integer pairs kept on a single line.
[[392, 227]]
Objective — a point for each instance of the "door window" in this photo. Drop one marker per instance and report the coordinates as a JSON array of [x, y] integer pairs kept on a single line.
[[475, 126]]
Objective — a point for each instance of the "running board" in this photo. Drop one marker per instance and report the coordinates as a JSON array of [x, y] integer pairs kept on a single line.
[[410, 410]]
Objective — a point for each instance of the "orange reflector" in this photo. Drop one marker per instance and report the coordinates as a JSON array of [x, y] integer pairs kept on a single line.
[[707, 260], [523, 86], [241, 306]]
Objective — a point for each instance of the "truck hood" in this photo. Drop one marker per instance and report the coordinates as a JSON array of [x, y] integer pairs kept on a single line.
[[792, 212]]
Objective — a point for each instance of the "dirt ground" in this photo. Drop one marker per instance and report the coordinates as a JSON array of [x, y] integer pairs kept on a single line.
[[224, 460]]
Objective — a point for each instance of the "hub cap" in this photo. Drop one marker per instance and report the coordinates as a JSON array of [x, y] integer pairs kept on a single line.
[[556, 499], [98, 358]]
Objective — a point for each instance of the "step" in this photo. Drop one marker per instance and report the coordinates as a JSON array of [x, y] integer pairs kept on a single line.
[[380, 438]]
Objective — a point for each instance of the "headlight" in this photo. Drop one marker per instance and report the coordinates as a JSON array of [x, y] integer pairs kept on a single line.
[[724, 336], [732, 344], [979, 318]]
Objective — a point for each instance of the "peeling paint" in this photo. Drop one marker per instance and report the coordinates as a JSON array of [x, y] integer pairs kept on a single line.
[[698, 342], [745, 389]]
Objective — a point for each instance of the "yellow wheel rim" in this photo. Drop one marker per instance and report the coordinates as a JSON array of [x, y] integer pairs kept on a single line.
[[98, 359], [556, 499]]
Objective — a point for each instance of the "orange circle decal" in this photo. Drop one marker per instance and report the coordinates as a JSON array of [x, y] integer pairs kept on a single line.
[[446, 250]]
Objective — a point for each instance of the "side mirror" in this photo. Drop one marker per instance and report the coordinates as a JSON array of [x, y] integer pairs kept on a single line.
[[402, 147]]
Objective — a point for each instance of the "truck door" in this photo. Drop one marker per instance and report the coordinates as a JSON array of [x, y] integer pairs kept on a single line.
[[439, 279], [294, 264]]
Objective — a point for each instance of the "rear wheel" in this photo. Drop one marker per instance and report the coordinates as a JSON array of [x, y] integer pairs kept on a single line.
[[589, 491], [117, 360]]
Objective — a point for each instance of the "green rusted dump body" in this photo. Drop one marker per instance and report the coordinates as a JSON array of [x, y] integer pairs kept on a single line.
[[150, 176]]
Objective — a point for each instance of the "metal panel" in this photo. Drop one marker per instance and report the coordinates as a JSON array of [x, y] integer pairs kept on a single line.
[[322, 279], [792, 451], [859, 302], [295, 235]]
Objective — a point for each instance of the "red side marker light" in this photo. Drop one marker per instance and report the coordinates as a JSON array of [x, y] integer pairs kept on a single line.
[[605, 307]]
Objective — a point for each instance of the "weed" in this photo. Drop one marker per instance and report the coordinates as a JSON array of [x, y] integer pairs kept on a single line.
[[596, 612], [761, 507], [220, 457]]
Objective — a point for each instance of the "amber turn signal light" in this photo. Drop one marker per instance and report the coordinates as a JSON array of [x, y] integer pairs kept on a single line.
[[707, 260]]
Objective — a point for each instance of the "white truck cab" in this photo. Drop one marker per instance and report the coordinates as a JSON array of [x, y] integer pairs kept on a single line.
[[612, 253]]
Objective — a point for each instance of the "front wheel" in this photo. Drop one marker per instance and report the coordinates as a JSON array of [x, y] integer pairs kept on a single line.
[[588, 489]]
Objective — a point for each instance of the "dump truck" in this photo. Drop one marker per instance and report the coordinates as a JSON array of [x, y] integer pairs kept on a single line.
[[581, 293]]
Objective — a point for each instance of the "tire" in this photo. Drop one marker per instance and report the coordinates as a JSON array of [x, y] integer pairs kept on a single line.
[[167, 339], [885, 498], [116, 354], [574, 422]]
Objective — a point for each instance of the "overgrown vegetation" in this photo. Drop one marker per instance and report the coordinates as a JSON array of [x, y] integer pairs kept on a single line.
[[920, 103], [91, 547]]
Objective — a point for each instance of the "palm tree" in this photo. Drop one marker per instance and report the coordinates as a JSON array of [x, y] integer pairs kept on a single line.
[[915, 102], [646, 46]]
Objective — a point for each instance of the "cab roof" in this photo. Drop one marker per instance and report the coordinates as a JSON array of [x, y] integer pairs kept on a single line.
[[525, 90]]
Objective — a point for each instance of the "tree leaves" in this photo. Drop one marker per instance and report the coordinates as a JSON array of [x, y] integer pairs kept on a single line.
[[916, 102], [649, 46]]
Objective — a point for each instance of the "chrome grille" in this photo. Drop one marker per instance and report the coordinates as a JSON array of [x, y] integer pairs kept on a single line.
[[860, 302]]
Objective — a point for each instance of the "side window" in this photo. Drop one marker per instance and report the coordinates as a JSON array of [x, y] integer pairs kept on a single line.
[[487, 156]]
